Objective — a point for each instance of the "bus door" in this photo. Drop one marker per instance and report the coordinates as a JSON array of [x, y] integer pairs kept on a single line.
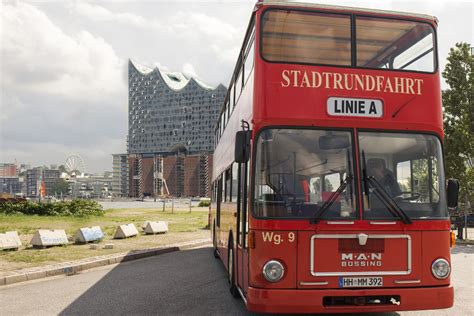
[[242, 225]]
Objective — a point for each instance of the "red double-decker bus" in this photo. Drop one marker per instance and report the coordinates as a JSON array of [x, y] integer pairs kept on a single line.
[[328, 181]]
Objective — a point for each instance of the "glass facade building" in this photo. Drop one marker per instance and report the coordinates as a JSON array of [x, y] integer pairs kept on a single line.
[[169, 111], [170, 114]]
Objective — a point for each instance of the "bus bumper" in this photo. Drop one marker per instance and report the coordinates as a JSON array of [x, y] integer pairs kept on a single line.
[[311, 301]]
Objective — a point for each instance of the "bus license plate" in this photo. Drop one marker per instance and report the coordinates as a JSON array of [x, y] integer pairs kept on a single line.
[[361, 282]]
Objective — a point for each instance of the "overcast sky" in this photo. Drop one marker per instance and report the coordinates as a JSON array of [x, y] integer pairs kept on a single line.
[[63, 74]]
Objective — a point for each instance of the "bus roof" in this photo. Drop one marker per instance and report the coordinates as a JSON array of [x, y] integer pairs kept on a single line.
[[347, 9]]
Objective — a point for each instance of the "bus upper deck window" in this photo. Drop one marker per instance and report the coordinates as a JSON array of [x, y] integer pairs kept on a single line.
[[395, 44], [306, 37]]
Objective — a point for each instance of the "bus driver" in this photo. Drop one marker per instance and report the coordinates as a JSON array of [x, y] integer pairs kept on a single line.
[[376, 168]]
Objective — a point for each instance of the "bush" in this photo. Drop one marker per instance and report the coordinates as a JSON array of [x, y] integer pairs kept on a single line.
[[204, 203], [63, 208]]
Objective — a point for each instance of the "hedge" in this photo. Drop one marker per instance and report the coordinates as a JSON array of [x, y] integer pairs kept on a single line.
[[62, 208]]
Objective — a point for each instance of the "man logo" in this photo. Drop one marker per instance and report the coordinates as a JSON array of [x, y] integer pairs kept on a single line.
[[361, 259]]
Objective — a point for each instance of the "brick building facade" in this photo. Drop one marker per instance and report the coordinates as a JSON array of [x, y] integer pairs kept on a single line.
[[175, 175]]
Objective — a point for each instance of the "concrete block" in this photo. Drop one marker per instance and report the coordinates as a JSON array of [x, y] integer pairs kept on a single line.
[[144, 224], [36, 275], [45, 237], [125, 231], [54, 272], [156, 227], [10, 240], [109, 246], [94, 246], [16, 278], [95, 264], [88, 234]]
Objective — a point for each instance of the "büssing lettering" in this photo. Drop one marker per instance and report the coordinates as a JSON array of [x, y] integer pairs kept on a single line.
[[361, 259], [350, 82]]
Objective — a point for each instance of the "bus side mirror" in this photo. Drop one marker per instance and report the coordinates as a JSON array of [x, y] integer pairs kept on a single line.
[[242, 146], [452, 193]]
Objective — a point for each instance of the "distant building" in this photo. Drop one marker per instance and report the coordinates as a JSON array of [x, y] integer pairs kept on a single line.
[[10, 185], [120, 175], [50, 177], [170, 132], [24, 167], [8, 170], [35, 176], [91, 186]]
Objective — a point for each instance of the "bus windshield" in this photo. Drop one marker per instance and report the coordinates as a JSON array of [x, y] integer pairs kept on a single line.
[[299, 170], [406, 169]]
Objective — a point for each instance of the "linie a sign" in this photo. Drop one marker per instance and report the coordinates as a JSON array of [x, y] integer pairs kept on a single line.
[[354, 107]]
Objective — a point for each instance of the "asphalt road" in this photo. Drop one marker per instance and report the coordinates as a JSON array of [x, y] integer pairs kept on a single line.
[[189, 282]]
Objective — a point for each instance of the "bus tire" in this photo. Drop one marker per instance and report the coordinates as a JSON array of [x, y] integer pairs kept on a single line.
[[214, 241], [231, 273]]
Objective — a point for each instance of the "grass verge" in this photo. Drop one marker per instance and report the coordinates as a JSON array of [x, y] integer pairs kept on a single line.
[[183, 226]]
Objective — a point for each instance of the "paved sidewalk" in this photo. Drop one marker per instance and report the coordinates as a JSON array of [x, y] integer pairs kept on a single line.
[[73, 267]]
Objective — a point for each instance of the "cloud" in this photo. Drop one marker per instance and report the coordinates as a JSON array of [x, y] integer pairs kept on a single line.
[[100, 14], [37, 56], [189, 70], [60, 92], [196, 29]]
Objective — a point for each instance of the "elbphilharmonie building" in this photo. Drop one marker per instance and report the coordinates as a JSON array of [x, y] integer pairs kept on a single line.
[[171, 117]]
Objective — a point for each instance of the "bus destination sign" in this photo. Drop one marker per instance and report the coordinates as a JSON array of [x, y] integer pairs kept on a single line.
[[354, 107]]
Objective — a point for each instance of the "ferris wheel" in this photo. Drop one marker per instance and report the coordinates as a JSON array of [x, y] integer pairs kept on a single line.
[[75, 163]]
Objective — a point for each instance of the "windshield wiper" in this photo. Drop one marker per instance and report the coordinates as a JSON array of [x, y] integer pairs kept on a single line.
[[382, 195], [389, 202], [331, 200]]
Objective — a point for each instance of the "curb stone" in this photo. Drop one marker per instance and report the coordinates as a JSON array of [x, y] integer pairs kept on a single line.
[[15, 278], [71, 268], [464, 242], [33, 275]]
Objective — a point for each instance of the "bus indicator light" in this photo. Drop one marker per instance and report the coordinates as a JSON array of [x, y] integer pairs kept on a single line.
[[452, 239]]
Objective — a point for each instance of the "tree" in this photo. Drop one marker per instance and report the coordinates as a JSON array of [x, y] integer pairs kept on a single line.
[[327, 185], [458, 102], [62, 169], [60, 187]]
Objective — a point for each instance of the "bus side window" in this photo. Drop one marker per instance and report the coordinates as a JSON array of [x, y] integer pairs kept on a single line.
[[245, 214], [243, 202], [238, 85], [228, 181], [330, 183], [234, 185], [231, 97], [315, 189], [249, 59], [219, 199]]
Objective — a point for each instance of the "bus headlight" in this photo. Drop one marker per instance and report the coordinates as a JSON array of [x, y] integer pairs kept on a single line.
[[273, 271], [440, 268]]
